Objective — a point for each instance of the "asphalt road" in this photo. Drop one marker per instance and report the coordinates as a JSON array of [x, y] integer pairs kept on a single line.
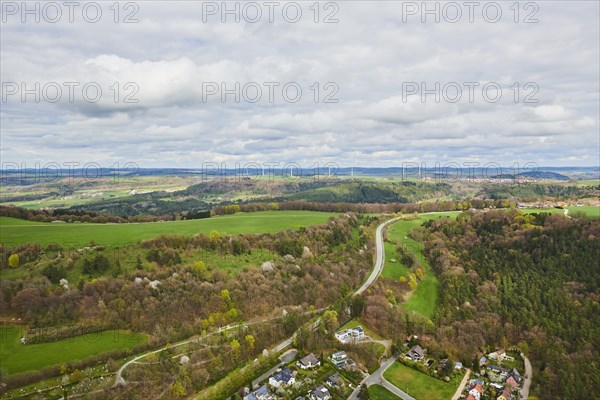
[[376, 378], [380, 257]]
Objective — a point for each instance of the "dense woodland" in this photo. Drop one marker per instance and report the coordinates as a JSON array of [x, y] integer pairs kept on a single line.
[[526, 280]]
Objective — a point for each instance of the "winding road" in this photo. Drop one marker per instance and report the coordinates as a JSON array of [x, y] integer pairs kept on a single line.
[[380, 256]]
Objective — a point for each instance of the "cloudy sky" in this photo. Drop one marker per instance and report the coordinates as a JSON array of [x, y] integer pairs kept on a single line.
[[351, 82]]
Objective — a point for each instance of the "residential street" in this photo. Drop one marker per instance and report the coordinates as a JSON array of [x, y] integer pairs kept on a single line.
[[376, 378]]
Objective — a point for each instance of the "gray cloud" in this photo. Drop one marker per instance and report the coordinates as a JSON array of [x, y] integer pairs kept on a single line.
[[371, 54]]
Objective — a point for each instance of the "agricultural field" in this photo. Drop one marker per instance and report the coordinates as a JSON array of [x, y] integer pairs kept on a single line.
[[590, 211], [51, 194], [16, 231], [419, 385], [377, 392], [17, 357]]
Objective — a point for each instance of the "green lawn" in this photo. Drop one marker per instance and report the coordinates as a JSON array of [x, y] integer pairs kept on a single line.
[[394, 269], [424, 299], [419, 385], [377, 392], [14, 231], [17, 357]]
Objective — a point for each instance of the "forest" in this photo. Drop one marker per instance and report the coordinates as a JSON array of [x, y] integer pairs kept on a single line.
[[527, 280]]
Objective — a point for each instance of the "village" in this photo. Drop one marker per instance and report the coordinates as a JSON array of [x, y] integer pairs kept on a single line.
[[333, 375]]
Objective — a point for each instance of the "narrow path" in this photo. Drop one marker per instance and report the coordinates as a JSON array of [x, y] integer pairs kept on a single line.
[[528, 376], [119, 380], [462, 385]]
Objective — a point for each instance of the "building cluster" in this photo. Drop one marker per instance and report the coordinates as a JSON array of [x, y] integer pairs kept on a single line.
[[294, 377], [495, 378]]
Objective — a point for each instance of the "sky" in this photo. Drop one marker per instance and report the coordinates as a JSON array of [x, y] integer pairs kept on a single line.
[[356, 83]]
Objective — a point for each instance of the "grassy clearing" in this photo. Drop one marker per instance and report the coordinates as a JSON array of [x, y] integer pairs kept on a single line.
[[424, 299], [377, 392], [16, 231], [393, 269], [17, 357], [419, 385]]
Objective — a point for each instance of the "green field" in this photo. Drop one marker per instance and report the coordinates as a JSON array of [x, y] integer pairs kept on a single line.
[[14, 231], [393, 269], [419, 385], [17, 357], [425, 297], [590, 211], [377, 392]]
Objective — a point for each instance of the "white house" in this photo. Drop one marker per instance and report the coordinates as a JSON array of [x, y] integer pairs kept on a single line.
[[351, 335], [310, 361], [283, 378], [339, 358]]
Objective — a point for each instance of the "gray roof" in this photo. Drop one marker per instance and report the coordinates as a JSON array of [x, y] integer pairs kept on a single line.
[[310, 359], [334, 379], [417, 350], [283, 376]]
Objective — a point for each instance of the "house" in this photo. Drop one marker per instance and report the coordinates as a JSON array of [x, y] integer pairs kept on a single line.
[[513, 378], [506, 394], [308, 362], [319, 393], [351, 335], [497, 369], [339, 358], [283, 378], [262, 393], [416, 353], [458, 365], [476, 391], [498, 355], [483, 360], [334, 380]]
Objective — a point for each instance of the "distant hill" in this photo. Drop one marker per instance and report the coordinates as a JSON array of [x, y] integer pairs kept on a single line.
[[555, 176]]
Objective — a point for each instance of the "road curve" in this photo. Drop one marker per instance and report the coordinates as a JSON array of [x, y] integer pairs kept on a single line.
[[380, 256], [379, 248], [376, 378]]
